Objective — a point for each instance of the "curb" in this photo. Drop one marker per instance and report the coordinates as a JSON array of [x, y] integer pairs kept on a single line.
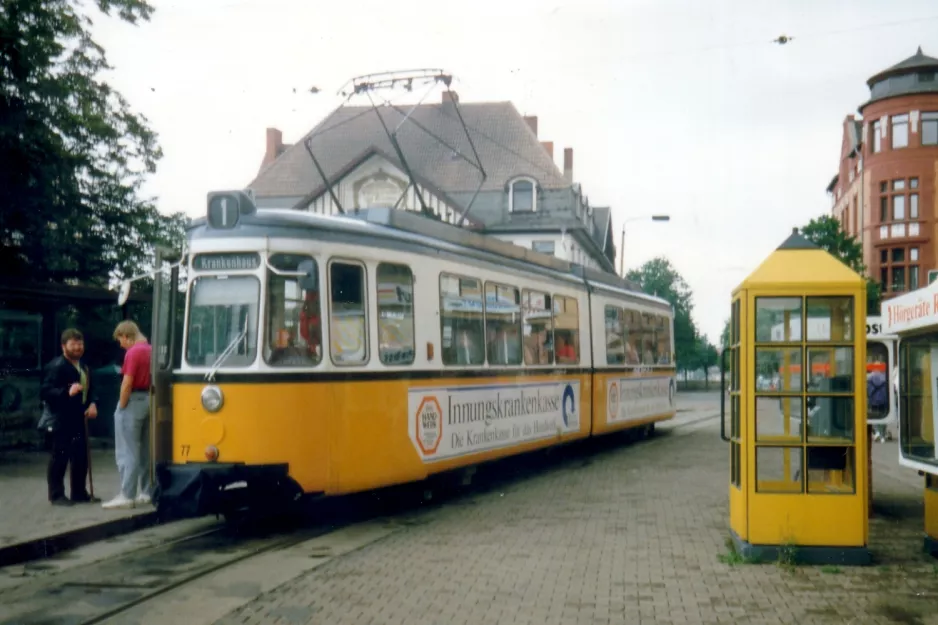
[[47, 546], [697, 420]]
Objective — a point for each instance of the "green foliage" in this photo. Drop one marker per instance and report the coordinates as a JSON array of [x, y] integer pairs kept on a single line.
[[74, 155], [659, 277], [827, 233]]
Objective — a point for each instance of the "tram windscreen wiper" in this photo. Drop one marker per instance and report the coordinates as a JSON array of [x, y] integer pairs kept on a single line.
[[228, 351]]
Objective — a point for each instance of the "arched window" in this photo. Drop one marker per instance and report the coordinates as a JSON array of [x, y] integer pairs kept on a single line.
[[522, 195]]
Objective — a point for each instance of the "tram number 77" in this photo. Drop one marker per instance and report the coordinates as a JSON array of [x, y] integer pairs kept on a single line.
[[185, 451]]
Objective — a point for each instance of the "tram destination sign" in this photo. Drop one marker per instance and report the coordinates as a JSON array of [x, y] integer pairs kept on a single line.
[[226, 262]]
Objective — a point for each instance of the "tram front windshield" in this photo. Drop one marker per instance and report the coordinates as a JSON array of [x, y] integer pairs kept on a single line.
[[223, 316]]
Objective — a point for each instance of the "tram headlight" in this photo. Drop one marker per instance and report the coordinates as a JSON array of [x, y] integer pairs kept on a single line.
[[212, 398]]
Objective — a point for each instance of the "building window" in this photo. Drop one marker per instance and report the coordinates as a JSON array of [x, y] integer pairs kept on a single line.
[[877, 137], [898, 279], [522, 196], [895, 265], [900, 201], [544, 247], [930, 128], [900, 131], [898, 207]]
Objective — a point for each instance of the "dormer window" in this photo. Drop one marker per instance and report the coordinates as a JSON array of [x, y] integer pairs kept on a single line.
[[522, 195]]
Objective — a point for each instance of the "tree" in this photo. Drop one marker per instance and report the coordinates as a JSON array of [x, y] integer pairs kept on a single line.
[[827, 233], [74, 155], [725, 335], [659, 277]]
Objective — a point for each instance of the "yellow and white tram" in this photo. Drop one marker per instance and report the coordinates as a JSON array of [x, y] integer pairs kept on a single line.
[[328, 355]]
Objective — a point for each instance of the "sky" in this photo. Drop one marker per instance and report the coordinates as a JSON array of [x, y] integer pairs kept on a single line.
[[676, 107]]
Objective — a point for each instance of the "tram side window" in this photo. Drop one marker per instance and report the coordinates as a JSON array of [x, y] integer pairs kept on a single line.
[[294, 317], [502, 324], [347, 328], [538, 343], [632, 336], [664, 339], [395, 286], [649, 339], [223, 319], [615, 335], [566, 330], [461, 321], [877, 381]]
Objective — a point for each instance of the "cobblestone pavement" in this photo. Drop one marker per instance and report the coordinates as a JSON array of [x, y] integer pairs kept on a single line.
[[632, 534], [25, 513]]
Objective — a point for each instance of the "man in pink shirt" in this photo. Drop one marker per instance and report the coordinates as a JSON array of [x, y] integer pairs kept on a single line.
[[132, 419]]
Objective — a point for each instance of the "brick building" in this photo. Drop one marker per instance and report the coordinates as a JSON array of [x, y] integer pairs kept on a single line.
[[884, 192]]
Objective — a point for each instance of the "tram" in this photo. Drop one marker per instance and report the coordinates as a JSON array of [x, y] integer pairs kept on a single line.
[[324, 355]]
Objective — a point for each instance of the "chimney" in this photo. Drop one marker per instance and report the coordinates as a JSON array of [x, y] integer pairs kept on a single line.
[[531, 120], [450, 97], [549, 146], [568, 165], [274, 147]]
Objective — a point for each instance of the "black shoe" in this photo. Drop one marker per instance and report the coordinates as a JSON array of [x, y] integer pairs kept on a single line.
[[62, 501], [86, 498]]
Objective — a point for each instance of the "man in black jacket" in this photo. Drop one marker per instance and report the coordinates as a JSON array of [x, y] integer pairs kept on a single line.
[[70, 399]]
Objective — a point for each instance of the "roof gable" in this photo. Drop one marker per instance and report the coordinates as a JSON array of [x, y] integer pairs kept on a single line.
[[506, 145]]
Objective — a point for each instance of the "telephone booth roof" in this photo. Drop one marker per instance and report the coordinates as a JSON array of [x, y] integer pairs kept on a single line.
[[799, 263]]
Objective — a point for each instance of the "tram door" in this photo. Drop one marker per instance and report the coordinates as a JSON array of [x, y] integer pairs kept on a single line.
[[167, 336]]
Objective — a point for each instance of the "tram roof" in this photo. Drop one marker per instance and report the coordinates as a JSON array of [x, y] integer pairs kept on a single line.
[[409, 227], [799, 262]]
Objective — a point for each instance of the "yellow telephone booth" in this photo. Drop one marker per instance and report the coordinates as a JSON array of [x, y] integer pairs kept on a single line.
[[797, 432]]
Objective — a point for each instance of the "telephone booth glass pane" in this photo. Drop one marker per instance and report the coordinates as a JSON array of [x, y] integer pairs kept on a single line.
[[830, 319], [831, 470], [734, 417], [735, 365], [779, 419], [773, 314], [778, 369], [830, 369], [830, 418], [734, 325], [778, 469]]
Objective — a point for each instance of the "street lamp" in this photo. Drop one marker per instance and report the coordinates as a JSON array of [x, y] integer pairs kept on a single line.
[[622, 250]]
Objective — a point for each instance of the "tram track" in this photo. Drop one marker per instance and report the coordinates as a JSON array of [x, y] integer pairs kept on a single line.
[[183, 580], [225, 560], [102, 590]]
